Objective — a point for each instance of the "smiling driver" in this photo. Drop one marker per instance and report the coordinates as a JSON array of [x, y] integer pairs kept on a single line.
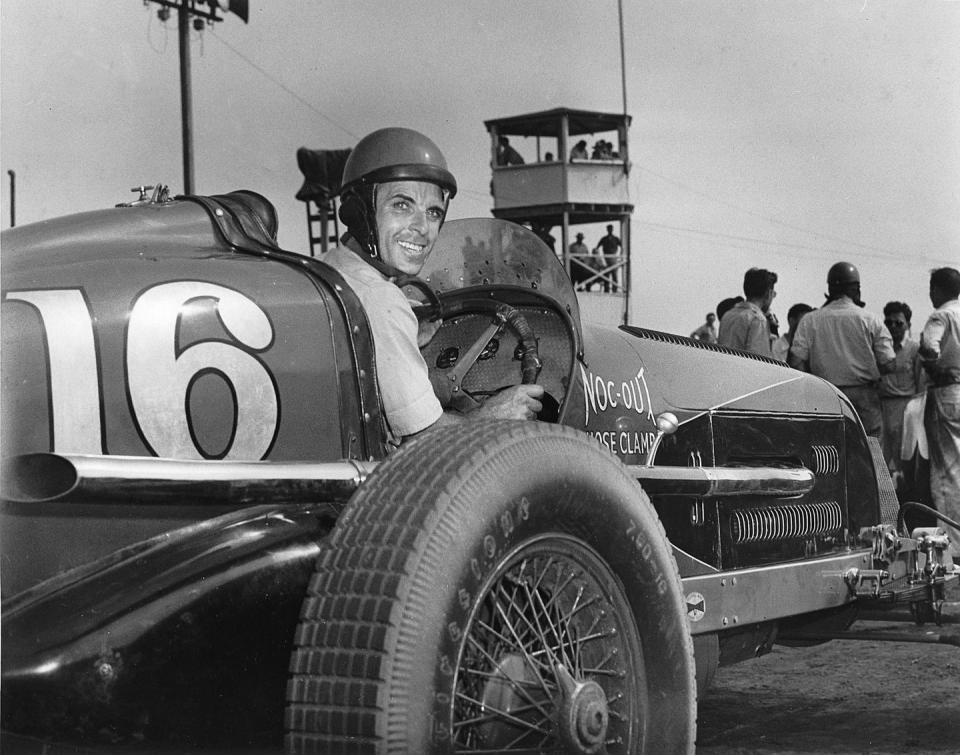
[[396, 189]]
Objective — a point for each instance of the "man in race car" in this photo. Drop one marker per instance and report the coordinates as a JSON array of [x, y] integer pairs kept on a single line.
[[394, 197]]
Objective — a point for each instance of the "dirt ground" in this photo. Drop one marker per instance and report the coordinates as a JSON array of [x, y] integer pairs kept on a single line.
[[864, 697], [841, 697]]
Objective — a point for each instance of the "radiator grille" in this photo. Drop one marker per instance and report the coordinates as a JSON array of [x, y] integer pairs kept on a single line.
[[784, 522], [826, 460]]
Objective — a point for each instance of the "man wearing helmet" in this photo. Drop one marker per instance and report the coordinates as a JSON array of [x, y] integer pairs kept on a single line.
[[394, 198], [847, 346]]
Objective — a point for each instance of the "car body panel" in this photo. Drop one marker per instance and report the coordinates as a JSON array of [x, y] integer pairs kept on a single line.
[[179, 330]]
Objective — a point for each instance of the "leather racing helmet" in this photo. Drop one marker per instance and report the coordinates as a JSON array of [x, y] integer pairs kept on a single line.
[[388, 154]]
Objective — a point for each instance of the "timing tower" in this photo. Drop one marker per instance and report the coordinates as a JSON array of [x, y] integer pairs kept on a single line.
[[562, 168]]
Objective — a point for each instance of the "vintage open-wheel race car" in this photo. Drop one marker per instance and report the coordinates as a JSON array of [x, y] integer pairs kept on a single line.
[[206, 536]]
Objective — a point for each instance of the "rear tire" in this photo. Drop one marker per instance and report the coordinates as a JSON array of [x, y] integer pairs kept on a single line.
[[511, 592]]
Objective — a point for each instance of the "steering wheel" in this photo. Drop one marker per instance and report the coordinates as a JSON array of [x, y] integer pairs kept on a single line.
[[502, 316]]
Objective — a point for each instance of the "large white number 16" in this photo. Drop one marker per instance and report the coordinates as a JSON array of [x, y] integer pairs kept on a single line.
[[159, 374]]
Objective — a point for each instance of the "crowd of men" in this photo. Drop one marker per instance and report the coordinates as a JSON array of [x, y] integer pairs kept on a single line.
[[906, 392]]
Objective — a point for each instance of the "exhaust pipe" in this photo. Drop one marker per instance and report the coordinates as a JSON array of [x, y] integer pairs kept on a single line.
[[76, 478]]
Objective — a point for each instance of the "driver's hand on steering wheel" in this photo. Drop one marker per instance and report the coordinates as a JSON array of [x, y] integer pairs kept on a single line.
[[516, 402]]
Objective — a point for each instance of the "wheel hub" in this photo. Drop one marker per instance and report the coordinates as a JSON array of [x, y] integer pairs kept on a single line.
[[584, 714]]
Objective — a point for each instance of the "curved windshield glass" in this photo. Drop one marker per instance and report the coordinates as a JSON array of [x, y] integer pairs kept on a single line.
[[493, 252]]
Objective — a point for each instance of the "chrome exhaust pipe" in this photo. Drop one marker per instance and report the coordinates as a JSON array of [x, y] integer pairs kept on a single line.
[[76, 478]]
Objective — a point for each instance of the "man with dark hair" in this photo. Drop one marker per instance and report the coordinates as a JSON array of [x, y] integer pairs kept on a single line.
[[746, 326], [781, 346], [846, 346], [726, 305], [898, 386], [507, 155], [940, 352], [579, 151]]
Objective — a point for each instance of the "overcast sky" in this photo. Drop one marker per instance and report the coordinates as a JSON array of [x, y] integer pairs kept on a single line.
[[786, 135]]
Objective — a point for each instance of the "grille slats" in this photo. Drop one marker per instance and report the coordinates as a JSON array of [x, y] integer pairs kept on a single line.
[[785, 522], [826, 460]]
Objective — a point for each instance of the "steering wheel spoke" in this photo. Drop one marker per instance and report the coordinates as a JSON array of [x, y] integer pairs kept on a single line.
[[459, 371]]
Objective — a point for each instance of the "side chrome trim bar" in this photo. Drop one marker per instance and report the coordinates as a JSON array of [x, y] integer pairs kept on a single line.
[[43, 477], [717, 482], [39, 477]]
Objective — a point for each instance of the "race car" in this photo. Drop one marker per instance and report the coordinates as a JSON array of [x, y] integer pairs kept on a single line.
[[208, 537]]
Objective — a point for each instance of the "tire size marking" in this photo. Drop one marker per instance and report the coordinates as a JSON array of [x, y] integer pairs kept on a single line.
[[644, 549]]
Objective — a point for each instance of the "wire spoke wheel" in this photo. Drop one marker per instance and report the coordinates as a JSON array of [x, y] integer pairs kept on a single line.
[[550, 659], [514, 593]]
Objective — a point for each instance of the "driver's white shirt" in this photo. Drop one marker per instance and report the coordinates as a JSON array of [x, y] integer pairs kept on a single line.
[[409, 403]]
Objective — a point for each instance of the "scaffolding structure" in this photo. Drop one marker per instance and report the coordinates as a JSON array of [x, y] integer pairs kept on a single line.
[[322, 171]]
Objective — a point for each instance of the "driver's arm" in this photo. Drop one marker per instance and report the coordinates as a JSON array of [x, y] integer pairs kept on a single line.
[[516, 402]]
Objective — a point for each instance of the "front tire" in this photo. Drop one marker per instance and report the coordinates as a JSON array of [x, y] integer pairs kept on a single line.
[[513, 593]]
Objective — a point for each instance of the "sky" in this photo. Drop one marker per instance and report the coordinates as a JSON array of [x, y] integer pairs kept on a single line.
[[786, 135]]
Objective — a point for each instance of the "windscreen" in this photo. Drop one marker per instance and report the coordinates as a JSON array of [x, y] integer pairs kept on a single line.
[[493, 252]]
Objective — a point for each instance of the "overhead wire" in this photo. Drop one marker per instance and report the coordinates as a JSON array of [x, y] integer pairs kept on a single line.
[[267, 75], [768, 218], [726, 239]]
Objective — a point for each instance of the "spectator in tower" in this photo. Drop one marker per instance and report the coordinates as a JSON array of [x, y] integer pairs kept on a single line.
[[708, 331], [745, 326], [543, 231], [897, 387], [602, 150], [507, 155], [581, 264], [940, 352], [847, 346], [608, 255], [781, 345], [579, 151]]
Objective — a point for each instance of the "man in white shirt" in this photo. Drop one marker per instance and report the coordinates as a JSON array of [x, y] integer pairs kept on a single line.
[[746, 326], [846, 345], [940, 352]]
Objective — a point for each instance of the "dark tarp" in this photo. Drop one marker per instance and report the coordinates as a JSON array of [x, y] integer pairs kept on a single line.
[[322, 170]]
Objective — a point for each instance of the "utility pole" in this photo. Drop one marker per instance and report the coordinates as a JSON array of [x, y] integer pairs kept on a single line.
[[194, 13], [13, 197], [623, 56], [186, 95]]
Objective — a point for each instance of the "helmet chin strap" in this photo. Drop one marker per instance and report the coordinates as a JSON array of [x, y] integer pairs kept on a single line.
[[855, 298], [368, 247], [373, 259]]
